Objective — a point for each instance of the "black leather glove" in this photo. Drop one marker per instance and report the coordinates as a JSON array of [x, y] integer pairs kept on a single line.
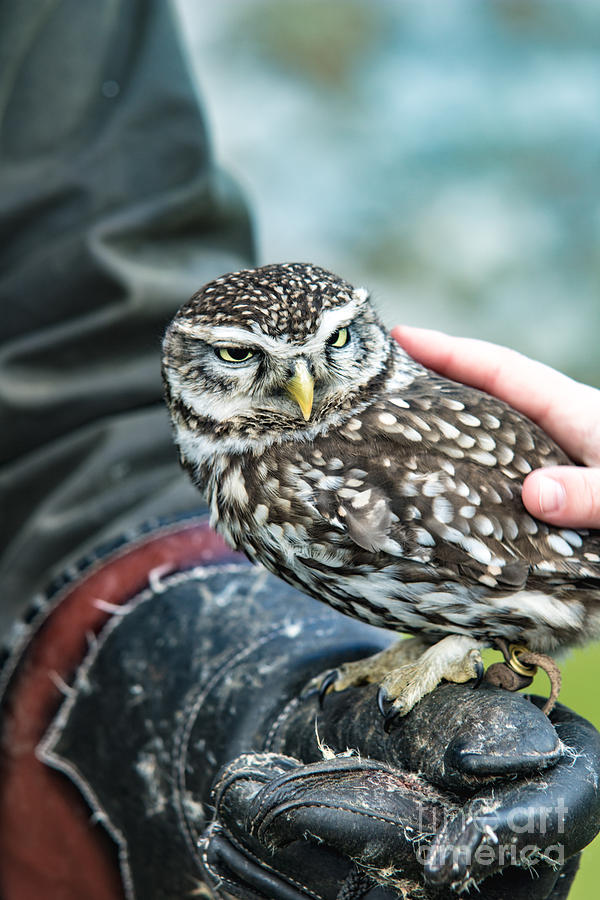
[[188, 730], [501, 792]]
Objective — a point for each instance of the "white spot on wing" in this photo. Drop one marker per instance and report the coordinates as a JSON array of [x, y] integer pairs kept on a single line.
[[424, 538], [486, 442], [442, 510], [361, 499], [504, 454], [450, 534], [529, 525], [433, 486], [447, 429], [559, 545], [483, 524], [468, 419], [522, 465], [481, 456], [261, 514], [490, 420], [476, 549], [572, 537], [452, 404]]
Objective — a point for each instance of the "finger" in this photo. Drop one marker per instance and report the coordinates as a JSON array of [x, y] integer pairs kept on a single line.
[[567, 410], [564, 495]]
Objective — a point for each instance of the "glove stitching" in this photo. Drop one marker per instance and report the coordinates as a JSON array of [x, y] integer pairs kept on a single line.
[[233, 779], [263, 864], [251, 774], [313, 776], [188, 717], [356, 812], [287, 710], [219, 879]]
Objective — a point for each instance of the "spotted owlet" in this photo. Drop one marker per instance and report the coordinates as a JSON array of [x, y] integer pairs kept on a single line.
[[338, 462]]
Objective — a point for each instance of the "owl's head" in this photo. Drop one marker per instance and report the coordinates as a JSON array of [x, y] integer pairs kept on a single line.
[[272, 350]]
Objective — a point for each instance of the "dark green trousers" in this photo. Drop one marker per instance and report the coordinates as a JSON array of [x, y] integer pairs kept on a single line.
[[112, 213]]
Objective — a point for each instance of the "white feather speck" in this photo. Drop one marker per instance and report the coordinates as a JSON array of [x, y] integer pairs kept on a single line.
[[571, 537], [476, 549], [559, 545], [443, 510], [468, 419], [483, 525]]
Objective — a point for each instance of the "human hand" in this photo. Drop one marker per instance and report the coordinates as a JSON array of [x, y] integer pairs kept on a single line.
[[566, 409]]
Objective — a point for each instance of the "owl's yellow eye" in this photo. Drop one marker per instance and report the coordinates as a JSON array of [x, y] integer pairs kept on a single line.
[[339, 338], [234, 354]]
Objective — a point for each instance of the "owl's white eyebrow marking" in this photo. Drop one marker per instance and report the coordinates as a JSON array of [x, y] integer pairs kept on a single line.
[[331, 320], [340, 316], [221, 334]]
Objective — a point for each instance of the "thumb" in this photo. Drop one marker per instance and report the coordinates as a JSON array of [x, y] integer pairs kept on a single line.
[[564, 495]]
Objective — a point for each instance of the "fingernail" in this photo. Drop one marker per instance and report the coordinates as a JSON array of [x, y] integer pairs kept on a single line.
[[551, 495]]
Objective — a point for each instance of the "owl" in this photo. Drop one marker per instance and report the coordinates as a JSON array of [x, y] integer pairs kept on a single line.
[[342, 465]]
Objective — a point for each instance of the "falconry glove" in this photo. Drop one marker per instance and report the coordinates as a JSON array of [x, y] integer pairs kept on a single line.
[[497, 804], [185, 724]]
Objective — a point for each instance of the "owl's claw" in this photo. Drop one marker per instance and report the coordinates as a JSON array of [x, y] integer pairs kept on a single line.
[[329, 679], [381, 700], [479, 673], [390, 714]]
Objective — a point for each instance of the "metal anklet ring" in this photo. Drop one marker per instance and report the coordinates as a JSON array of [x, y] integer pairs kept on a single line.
[[514, 651]]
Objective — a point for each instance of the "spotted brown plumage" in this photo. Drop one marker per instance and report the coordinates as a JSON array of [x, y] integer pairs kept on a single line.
[[288, 305], [396, 499]]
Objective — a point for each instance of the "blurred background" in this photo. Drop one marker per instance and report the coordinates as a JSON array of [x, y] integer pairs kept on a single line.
[[444, 154]]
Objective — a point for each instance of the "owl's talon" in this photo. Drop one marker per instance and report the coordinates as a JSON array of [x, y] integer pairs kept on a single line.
[[329, 679], [389, 713], [480, 671], [381, 701]]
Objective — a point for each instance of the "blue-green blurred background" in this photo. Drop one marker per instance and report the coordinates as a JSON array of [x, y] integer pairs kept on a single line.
[[444, 153]]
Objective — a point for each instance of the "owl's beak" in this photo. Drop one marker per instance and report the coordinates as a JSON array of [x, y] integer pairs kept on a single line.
[[300, 386]]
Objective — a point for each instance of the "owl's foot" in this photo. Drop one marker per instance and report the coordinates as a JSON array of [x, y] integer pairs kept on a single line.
[[455, 658], [371, 670]]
